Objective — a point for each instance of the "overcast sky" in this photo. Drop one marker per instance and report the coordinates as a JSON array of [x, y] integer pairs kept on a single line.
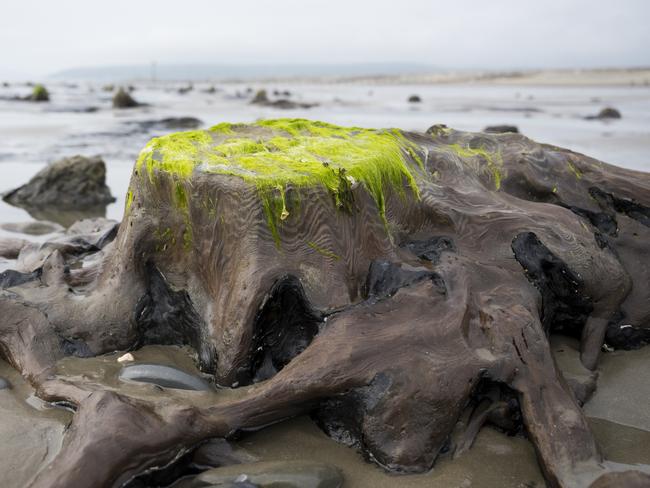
[[41, 37]]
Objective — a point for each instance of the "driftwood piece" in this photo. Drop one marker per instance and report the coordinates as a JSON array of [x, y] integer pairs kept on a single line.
[[382, 280]]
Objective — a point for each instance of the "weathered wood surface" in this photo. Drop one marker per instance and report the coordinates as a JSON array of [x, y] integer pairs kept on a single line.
[[389, 315]]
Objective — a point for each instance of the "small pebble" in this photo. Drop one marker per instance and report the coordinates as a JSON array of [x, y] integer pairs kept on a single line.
[[126, 358], [4, 384]]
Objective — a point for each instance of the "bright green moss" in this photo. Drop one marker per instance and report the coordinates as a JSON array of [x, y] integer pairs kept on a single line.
[[223, 128], [275, 155], [175, 154]]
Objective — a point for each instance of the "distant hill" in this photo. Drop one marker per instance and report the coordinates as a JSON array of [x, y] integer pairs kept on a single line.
[[240, 72]]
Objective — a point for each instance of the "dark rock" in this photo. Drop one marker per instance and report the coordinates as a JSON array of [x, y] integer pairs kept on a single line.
[[260, 98], [501, 129], [165, 376], [108, 88], [414, 99], [69, 183], [185, 89], [605, 114], [122, 99], [210, 90], [4, 384], [609, 113]]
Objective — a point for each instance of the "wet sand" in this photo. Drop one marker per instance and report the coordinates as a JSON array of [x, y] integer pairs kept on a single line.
[[31, 431], [623, 394]]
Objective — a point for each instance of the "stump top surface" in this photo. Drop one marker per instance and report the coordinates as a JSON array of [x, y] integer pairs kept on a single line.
[[281, 152]]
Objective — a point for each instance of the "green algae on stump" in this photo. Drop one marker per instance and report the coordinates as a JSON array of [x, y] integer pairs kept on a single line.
[[275, 155]]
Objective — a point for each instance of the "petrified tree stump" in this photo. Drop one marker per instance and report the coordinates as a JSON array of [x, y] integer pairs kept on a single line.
[[389, 282]]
